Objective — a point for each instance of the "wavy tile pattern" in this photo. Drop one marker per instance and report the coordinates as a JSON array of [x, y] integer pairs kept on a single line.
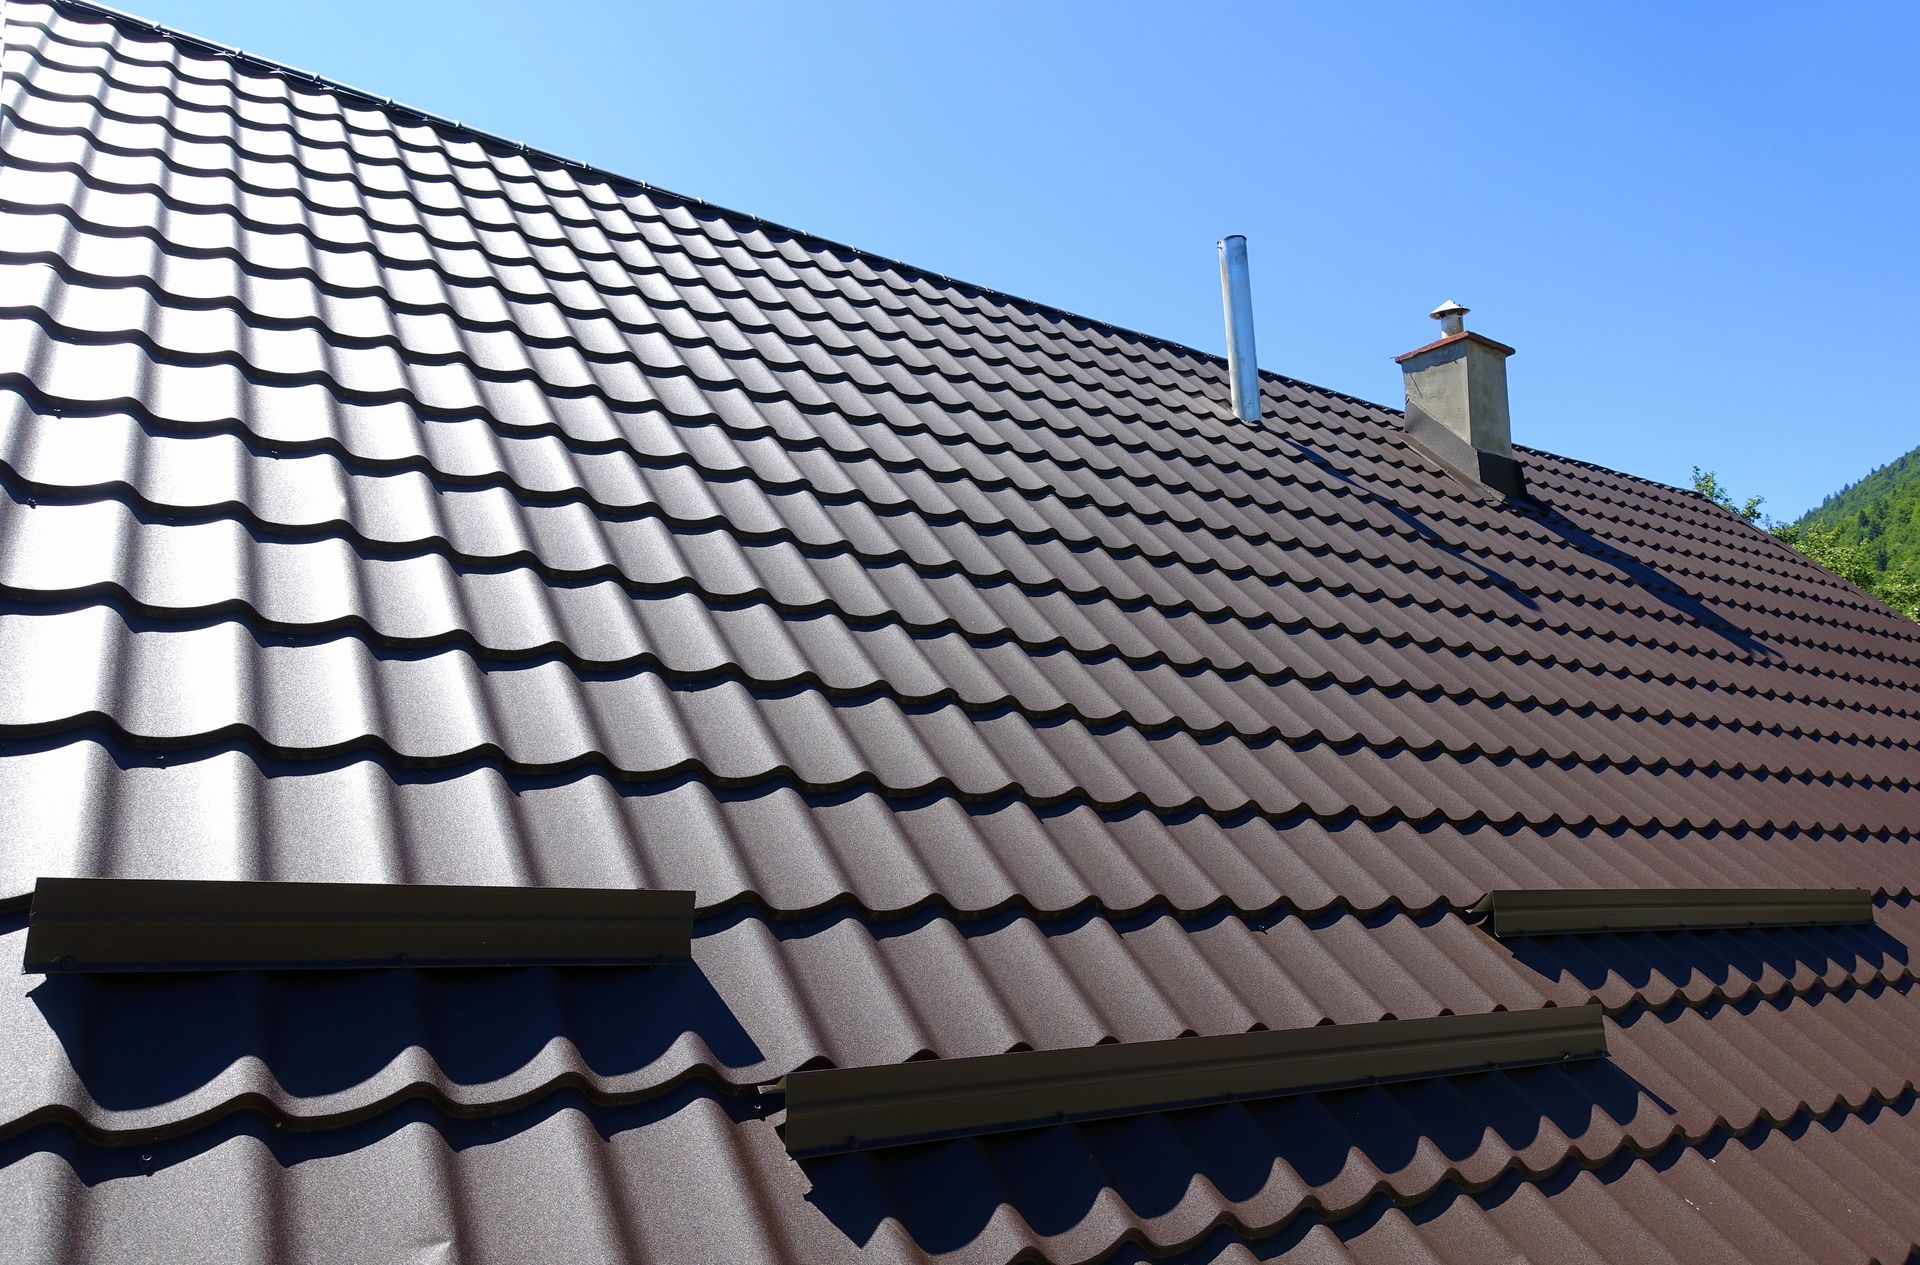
[[387, 502], [694, 1177]]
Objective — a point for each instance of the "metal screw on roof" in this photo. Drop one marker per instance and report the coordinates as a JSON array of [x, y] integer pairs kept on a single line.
[[1452, 317]]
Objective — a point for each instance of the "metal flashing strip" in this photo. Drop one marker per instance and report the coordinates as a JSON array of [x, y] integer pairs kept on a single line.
[[863, 1108], [1538, 911], [116, 924]]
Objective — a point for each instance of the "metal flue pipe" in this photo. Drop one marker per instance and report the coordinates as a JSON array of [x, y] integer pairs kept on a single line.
[[1236, 295]]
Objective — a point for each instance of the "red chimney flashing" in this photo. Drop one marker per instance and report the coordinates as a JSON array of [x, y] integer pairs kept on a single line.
[[1482, 339]]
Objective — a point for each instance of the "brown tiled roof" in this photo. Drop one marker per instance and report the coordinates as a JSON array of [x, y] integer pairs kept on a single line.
[[389, 503]]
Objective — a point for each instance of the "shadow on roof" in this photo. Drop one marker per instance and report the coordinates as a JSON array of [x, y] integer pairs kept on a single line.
[[1327, 1235], [1651, 581], [1718, 958], [94, 1162], [1606, 554], [1374, 495], [945, 1194], [320, 1033]]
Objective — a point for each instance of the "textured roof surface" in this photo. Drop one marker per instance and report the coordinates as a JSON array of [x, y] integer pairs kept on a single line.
[[387, 503]]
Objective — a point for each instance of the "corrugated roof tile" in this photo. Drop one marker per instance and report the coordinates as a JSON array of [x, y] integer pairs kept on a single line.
[[389, 503]]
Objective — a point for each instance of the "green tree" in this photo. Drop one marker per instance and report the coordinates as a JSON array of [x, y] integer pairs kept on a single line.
[[1841, 548], [1707, 484], [1901, 590], [1881, 511], [1826, 546]]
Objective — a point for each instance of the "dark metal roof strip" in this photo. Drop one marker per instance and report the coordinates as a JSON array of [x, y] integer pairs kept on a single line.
[[861, 1108], [1537, 911], [117, 924]]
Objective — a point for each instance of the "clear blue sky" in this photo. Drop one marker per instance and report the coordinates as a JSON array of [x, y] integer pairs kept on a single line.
[[1698, 223]]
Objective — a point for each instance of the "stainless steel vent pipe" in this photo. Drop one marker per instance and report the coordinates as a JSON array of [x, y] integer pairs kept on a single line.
[[1236, 295]]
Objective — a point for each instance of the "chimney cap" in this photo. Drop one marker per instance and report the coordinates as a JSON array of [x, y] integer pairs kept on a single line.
[[1452, 317]]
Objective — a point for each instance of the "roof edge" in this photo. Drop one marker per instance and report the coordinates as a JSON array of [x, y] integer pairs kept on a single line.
[[270, 66]]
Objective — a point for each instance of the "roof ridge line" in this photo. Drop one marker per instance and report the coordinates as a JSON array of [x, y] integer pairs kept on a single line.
[[271, 66], [116, 15]]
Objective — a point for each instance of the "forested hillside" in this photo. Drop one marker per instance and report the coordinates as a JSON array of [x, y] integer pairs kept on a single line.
[[1868, 533], [1880, 513]]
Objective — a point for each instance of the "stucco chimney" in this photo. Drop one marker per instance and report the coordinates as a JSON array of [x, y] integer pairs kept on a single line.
[[1457, 403]]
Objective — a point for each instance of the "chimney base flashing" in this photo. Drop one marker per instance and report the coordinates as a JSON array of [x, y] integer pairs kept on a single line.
[[1488, 470], [1457, 404]]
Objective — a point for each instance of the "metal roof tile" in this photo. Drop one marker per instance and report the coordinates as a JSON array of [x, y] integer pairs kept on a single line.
[[1757, 1199], [407, 506]]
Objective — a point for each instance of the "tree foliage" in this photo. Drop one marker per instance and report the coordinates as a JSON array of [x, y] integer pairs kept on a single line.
[[1868, 534], [1707, 484], [1881, 512]]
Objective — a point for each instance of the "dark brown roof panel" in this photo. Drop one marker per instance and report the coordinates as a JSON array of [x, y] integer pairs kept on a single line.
[[1727, 1202], [1731, 1064], [385, 503], [888, 666], [659, 1180], [83, 801], [756, 1002], [84, 796]]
